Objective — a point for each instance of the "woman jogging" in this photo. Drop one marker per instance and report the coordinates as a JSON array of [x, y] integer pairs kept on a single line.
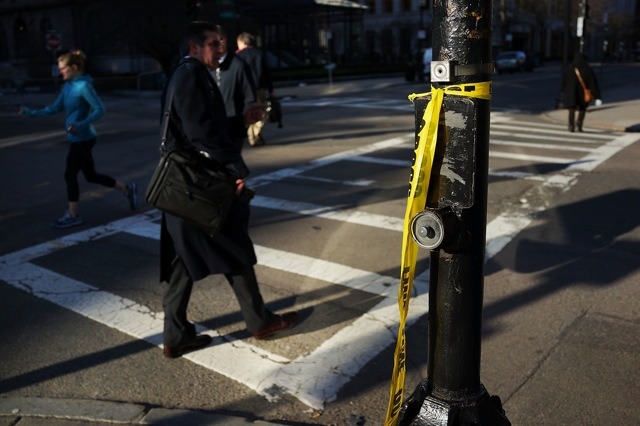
[[82, 107]]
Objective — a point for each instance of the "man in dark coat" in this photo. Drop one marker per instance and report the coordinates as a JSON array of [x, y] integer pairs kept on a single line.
[[572, 92], [238, 90], [188, 253], [248, 51]]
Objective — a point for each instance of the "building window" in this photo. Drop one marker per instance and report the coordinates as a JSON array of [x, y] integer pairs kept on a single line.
[[406, 5], [387, 6]]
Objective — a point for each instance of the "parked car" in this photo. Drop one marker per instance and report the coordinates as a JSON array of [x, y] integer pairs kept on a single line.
[[426, 62], [512, 60]]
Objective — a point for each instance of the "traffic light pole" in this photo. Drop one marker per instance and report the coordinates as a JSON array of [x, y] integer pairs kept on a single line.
[[453, 224], [581, 25]]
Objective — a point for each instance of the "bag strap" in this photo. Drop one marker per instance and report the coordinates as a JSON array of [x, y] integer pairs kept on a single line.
[[584, 87], [164, 135]]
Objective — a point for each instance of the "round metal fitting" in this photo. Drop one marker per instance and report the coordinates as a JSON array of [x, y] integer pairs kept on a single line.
[[427, 229]]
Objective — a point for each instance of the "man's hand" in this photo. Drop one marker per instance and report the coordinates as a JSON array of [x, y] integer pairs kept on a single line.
[[240, 183]]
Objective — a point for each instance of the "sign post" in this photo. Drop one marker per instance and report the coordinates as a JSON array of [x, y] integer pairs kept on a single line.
[[53, 41], [453, 120]]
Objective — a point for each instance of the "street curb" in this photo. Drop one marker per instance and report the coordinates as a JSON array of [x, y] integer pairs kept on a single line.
[[83, 410]]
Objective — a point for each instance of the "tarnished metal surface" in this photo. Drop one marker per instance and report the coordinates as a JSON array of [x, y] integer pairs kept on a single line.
[[452, 393]]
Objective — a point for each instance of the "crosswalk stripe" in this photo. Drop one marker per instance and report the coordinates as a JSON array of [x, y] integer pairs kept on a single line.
[[314, 378], [366, 103], [554, 147], [350, 215], [353, 182], [382, 161], [534, 136], [562, 127], [527, 157], [30, 137], [280, 174], [522, 129], [318, 375], [312, 267]]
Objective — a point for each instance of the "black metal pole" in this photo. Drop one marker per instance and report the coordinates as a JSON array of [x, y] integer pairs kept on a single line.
[[453, 224]]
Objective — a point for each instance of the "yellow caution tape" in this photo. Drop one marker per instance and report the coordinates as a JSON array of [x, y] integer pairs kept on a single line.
[[417, 198]]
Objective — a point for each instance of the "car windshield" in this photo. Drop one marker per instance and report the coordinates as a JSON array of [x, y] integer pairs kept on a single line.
[[507, 55]]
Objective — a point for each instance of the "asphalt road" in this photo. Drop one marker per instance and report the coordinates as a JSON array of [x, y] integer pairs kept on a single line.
[[79, 308]]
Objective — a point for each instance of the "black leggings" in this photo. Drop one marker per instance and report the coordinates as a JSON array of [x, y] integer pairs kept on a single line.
[[79, 159]]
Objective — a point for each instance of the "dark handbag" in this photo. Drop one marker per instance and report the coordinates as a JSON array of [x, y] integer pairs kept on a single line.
[[274, 109], [190, 186]]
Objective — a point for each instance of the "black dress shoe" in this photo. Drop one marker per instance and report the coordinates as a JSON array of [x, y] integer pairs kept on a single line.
[[192, 345], [281, 322]]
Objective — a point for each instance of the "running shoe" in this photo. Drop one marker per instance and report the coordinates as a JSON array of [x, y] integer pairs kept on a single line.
[[67, 221], [132, 195]]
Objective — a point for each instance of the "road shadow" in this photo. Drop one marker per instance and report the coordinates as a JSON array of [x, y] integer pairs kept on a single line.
[[578, 244]]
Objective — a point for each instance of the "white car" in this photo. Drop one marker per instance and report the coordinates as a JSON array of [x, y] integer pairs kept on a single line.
[[511, 61]]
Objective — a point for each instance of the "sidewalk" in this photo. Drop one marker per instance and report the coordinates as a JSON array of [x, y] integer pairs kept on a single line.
[[49, 411]]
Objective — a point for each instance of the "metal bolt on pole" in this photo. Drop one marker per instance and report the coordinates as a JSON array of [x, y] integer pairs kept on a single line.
[[453, 224]]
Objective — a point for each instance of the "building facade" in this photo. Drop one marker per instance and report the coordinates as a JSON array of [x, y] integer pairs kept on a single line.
[[132, 37]]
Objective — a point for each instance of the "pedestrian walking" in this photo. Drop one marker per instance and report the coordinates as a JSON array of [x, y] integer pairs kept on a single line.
[[82, 106], [248, 51], [579, 88], [198, 121], [236, 84]]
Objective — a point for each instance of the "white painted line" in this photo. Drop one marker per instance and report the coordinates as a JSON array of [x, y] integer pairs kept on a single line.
[[307, 266], [533, 136], [533, 124], [331, 272], [523, 129], [329, 159], [539, 145], [502, 230], [31, 137], [603, 153], [316, 378], [357, 182], [350, 215], [70, 240], [563, 128], [383, 161], [536, 158], [511, 174], [366, 103], [89, 301], [399, 107]]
